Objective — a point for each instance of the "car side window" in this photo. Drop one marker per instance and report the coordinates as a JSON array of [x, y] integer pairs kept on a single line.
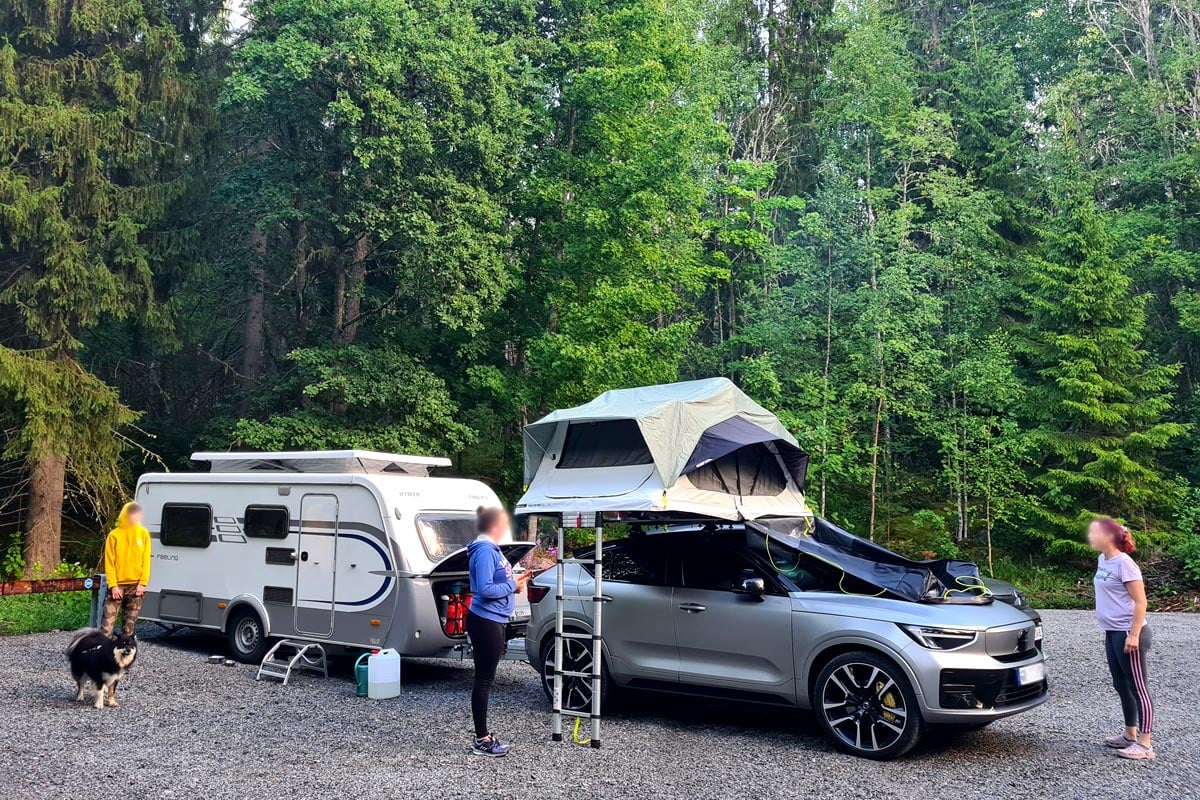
[[632, 563], [719, 568]]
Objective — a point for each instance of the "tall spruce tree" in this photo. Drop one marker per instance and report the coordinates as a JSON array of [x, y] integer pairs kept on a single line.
[[1097, 400], [97, 105]]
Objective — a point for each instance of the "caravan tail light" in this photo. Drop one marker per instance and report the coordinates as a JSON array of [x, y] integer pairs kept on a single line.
[[536, 593]]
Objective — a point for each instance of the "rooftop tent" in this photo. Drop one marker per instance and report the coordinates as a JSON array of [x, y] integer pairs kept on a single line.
[[323, 461], [697, 447], [939, 580]]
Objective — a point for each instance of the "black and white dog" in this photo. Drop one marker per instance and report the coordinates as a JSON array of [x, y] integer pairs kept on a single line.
[[102, 660]]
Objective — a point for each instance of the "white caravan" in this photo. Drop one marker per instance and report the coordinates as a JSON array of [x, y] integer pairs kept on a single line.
[[341, 547]]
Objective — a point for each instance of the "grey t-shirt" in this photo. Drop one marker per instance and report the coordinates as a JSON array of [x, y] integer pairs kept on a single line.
[[1114, 605]]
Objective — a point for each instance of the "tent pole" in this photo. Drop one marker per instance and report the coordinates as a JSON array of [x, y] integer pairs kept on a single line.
[[597, 635], [556, 727]]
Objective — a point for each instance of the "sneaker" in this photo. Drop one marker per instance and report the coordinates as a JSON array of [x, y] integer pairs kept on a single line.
[[489, 747], [1119, 742], [1137, 752]]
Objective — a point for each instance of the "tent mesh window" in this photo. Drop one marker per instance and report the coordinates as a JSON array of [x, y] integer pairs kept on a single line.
[[608, 443], [748, 471]]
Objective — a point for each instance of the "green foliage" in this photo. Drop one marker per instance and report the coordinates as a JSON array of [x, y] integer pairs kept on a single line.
[[1048, 586], [12, 562], [353, 397], [36, 613], [1188, 552], [931, 537], [1098, 406], [102, 111], [955, 248]]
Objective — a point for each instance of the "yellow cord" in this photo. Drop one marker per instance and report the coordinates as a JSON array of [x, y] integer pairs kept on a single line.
[[841, 579], [965, 581], [575, 736]]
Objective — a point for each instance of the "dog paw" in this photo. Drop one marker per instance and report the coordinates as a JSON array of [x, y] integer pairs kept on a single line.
[[114, 704]]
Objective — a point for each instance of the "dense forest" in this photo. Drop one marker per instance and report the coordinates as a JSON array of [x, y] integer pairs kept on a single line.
[[955, 245]]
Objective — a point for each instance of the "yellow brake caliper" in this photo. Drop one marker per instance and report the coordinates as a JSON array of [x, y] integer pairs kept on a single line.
[[888, 700]]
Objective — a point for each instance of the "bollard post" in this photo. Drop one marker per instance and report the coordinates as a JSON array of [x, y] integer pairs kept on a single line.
[[99, 587]]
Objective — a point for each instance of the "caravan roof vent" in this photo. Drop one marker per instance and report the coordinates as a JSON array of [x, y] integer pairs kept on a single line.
[[326, 461]]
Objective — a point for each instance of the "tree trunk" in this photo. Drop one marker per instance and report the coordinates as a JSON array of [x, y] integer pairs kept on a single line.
[[825, 375], [875, 466], [348, 288], [43, 533], [254, 335]]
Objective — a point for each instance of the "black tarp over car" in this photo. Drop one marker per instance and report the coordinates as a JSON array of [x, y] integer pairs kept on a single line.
[[935, 581]]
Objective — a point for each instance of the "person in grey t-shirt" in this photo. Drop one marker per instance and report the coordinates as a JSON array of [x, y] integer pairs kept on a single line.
[[1121, 613]]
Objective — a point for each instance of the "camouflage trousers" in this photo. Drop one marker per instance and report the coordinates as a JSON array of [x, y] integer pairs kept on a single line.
[[129, 603]]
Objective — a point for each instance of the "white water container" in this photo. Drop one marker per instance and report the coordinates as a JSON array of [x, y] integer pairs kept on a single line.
[[383, 674]]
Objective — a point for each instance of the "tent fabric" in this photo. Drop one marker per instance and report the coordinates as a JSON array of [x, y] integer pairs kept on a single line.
[[699, 447], [672, 418], [940, 580], [752, 471], [606, 443]]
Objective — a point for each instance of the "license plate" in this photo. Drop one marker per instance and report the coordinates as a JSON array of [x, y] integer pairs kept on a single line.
[[1034, 673], [1037, 633]]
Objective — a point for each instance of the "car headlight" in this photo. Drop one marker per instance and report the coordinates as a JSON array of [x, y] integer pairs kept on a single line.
[[940, 638]]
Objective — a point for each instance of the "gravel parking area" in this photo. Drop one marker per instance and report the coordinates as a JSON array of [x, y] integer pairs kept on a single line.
[[188, 729]]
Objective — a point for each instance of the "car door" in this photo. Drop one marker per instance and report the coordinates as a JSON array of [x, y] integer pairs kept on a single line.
[[728, 641], [639, 633]]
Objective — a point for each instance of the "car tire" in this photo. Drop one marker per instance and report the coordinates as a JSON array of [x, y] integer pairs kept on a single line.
[[247, 636], [866, 705], [577, 692]]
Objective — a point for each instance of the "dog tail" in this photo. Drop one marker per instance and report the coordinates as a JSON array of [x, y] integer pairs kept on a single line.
[[78, 637]]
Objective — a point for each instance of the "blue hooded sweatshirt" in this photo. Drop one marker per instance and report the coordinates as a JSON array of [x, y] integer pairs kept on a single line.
[[492, 581]]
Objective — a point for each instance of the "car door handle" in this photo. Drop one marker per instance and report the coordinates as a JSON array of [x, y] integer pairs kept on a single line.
[[692, 608]]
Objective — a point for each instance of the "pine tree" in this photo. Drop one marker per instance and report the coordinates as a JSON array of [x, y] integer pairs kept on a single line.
[[1097, 401], [96, 106]]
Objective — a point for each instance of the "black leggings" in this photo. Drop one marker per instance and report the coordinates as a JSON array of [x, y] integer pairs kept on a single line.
[[1129, 678], [487, 641]]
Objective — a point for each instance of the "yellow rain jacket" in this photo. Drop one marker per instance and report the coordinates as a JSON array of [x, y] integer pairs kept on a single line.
[[127, 553]]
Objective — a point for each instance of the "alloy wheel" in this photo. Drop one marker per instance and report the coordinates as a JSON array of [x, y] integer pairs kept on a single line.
[[576, 691], [864, 707]]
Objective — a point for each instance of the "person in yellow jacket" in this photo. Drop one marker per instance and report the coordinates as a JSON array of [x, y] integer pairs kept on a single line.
[[127, 568]]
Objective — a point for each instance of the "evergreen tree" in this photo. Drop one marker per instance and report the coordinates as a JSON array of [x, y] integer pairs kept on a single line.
[[1097, 400], [373, 147], [100, 110]]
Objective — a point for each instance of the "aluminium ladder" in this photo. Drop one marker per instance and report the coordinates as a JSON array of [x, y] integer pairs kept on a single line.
[[598, 599]]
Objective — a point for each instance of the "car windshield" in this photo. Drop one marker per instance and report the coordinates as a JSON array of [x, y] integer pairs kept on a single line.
[[805, 572], [443, 534]]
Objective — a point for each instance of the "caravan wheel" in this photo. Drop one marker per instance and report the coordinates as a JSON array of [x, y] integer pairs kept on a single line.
[[247, 636]]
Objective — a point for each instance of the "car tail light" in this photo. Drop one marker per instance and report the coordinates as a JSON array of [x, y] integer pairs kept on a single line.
[[536, 593]]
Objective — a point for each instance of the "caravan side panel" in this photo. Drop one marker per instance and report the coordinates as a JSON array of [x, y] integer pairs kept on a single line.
[[295, 553]]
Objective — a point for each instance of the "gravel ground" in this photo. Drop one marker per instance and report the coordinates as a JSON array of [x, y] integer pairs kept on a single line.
[[188, 729]]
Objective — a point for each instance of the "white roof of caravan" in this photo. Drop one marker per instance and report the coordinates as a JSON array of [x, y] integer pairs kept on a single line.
[[361, 462]]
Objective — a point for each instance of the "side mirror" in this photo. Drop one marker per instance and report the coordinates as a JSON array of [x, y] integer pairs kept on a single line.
[[752, 586]]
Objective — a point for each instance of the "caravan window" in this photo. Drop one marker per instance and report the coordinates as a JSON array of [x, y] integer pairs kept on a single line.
[[266, 522], [609, 443], [186, 525], [442, 534]]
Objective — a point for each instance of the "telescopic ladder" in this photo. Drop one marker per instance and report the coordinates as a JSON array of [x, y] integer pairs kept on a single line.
[[560, 636]]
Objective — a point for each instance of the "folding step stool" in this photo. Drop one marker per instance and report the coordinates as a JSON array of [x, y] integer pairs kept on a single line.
[[305, 655]]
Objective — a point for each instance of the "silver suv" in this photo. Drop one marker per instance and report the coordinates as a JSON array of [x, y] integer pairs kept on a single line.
[[730, 614]]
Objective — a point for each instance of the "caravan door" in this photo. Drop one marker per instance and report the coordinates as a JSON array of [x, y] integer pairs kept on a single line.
[[316, 564]]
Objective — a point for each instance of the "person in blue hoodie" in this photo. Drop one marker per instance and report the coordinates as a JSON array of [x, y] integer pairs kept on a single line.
[[493, 588]]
